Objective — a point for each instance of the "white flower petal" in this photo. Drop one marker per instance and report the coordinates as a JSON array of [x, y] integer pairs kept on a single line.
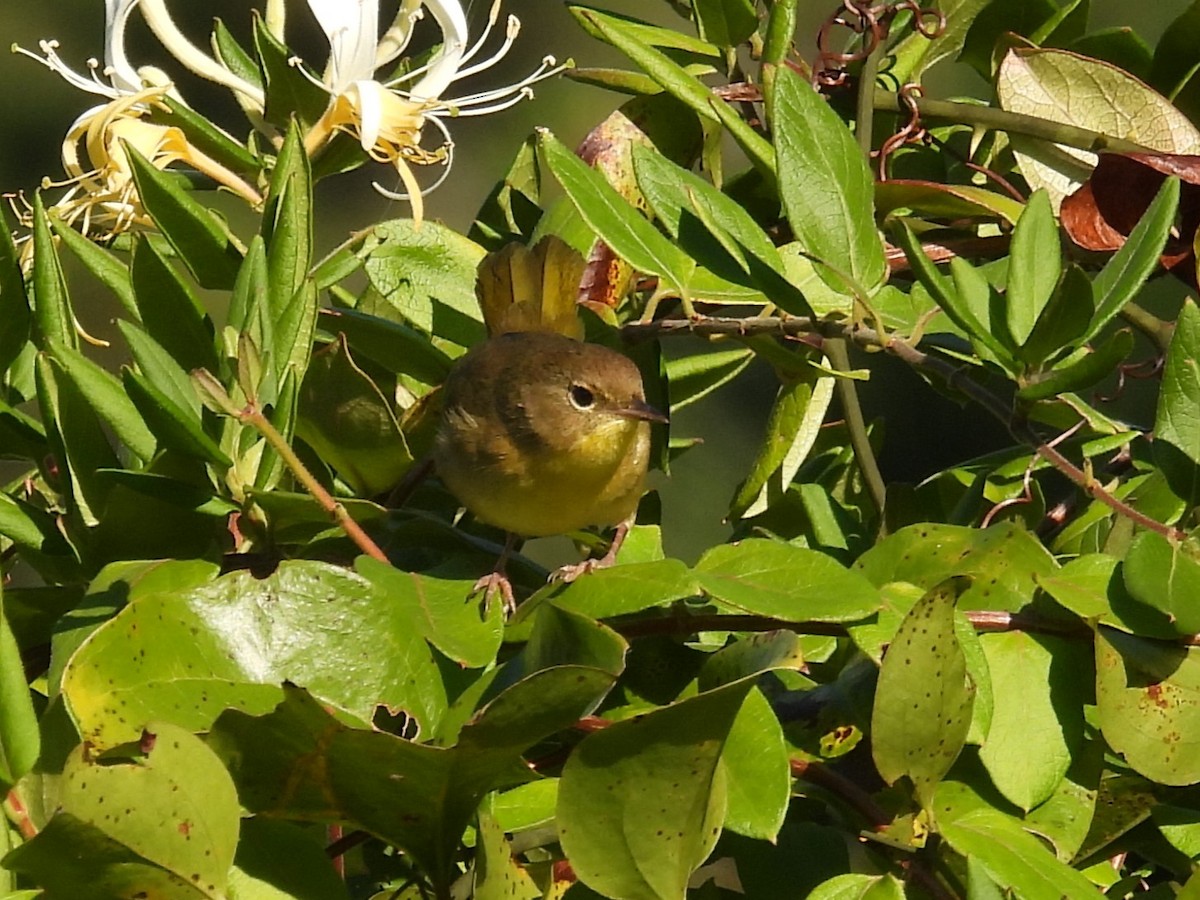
[[395, 39], [116, 64], [443, 69], [352, 29], [196, 60], [370, 109]]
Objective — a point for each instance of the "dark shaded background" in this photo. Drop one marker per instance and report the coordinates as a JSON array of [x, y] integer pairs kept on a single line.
[[36, 107]]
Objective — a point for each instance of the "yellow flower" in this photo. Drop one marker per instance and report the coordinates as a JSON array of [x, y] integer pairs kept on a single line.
[[101, 198], [387, 117]]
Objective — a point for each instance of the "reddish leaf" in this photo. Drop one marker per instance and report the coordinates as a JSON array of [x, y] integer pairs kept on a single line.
[[1105, 209]]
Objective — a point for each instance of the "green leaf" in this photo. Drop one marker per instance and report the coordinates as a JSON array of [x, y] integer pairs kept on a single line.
[[1035, 268], [792, 430], [743, 265], [826, 186], [300, 762], [294, 329], [694, 377], [396, 347], [860, 887], [1013, 858], [1038, 689], [77, 440], [1165, 576], [183, 494], [1125, 273], [497, 875], [981, 44], [427, 275], [170, 310], [287, 222], [160, 368], [28, 526], [179, 429], [758, 775], [915, 53], [614, 219], [672, 191], [641, 802], [1148, 696], [289, 92], [1063, 319], [944, 201], [922, 708], [111, 272], [249, 311], [726, 22], [1066, 817], [20, 740], [646, 32], [1093, 587], [677, 82], [202, 242], [233, 56], [103, 391], [189, 653], [945, 293], [14, 302], [347, 420], [72, 858], [203, 134], [1005, 562], [758, 782], [1177, 420], [1090, 369], [629, 588], [283, 861], [769, 578], [53, 318], [165, 824], [440, 611], [511, 211]]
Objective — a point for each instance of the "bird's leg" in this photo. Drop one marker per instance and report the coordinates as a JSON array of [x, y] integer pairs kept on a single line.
[[567, 574], [496, 581]]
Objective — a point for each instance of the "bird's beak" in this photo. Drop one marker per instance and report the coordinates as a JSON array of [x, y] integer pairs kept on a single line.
[[640, 409]]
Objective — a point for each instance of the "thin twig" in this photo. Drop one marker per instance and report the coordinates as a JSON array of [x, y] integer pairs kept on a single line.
[[346, 843], [982, 620], [252, 415], [1013, 123], [954, 375], [860, 440]]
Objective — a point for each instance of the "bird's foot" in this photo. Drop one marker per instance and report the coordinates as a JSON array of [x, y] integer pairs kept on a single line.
[[495, 584], [567, 574]]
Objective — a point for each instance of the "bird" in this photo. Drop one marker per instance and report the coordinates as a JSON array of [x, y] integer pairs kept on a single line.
[[541, 433]]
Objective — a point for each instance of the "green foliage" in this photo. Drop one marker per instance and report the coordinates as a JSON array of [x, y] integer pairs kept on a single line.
[[228, 658]]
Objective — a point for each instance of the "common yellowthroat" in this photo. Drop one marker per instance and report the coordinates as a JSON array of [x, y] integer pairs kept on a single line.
[[542, 434]]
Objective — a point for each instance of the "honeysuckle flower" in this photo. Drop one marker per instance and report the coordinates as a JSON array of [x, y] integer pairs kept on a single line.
[[118, 77], [387, 116], [101, 197]]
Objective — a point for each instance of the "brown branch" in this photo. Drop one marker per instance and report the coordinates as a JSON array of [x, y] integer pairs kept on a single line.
[[214, 395], [986, 621], [346, 843], [18, 814], [954, 375], [864, 804]]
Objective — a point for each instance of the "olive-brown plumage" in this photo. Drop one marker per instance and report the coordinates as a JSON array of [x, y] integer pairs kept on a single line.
[[541, 434]]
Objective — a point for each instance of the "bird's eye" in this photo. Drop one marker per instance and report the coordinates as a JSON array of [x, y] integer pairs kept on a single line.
[[581, 397]]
